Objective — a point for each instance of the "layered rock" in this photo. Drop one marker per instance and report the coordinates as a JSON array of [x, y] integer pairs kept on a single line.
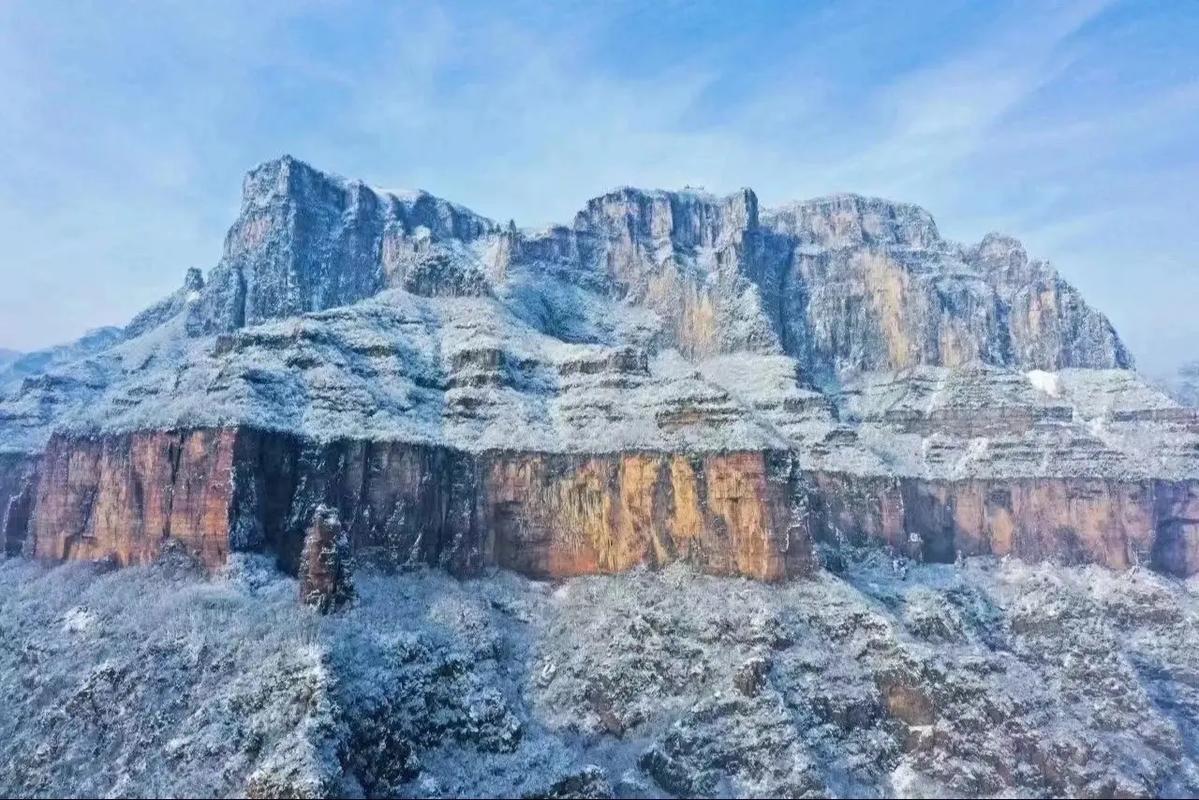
[[128, 496], [675, 376]]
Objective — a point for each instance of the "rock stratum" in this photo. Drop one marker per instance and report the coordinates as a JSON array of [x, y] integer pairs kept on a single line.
[[673, 376]]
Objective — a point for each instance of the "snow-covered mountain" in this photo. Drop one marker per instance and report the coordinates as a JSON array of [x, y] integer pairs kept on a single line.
[[860, 375], [914, 434]]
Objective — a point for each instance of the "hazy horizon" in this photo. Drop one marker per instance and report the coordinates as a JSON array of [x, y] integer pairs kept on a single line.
[[1070, 126]]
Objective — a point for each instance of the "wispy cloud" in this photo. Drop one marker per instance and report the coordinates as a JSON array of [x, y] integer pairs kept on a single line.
[[1065, 123]]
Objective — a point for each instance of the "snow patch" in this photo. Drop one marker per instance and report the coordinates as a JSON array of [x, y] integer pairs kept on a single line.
[[78, 620], [1048, 382]]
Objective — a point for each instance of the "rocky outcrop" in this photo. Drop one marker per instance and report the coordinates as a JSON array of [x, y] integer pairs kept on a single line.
[[307, 241], [326, 566]]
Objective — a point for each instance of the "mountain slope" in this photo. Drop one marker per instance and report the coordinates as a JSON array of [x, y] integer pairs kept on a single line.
[[990, 678]]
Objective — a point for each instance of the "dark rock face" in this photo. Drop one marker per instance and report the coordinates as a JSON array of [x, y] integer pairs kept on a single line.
[[17, 474], [398, 503], [326, 568]]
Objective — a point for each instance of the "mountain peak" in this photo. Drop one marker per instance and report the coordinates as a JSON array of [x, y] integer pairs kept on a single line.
[[849, 220], [689, 217]]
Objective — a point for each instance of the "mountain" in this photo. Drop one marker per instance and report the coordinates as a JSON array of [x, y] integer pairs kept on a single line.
[[674, 375], [804, 500]]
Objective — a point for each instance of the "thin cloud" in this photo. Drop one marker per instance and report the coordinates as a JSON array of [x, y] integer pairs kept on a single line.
[[133, 125]]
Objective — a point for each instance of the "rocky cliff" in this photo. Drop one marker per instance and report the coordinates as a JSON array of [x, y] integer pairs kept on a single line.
[[672, 376]]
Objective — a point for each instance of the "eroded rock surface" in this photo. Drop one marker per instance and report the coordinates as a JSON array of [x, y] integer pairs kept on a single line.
[[326, 564]]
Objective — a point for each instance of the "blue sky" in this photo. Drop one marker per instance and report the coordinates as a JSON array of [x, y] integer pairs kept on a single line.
[[125, 128]]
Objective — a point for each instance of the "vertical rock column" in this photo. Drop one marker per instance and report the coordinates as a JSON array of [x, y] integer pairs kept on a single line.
[[326, 581]]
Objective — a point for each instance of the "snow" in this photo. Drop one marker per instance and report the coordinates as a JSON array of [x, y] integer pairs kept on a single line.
[[1047, 382], [78, 620], [178, 684], [561, 311]]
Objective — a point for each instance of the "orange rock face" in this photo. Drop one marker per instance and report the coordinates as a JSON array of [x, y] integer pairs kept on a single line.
[[558, 515], [125, 496], [728, 514], [1117, 524], [544, 515]]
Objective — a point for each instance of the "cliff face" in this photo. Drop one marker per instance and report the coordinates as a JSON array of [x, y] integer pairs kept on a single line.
[[16, 497], [840, 283], [673, 377], [307, 241], [545, 515], [126, 497], [558, 515], [1065, 520], [728, 514]]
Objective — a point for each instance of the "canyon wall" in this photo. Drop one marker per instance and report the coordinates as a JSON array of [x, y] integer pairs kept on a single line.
[[124, 497], [546, 515], [728, 514], [559, 515], [1117, 524]]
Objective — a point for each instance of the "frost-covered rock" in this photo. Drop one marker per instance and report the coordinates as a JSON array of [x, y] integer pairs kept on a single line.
[[989, 678], [838, 284], [307, 241], [326, 564]]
